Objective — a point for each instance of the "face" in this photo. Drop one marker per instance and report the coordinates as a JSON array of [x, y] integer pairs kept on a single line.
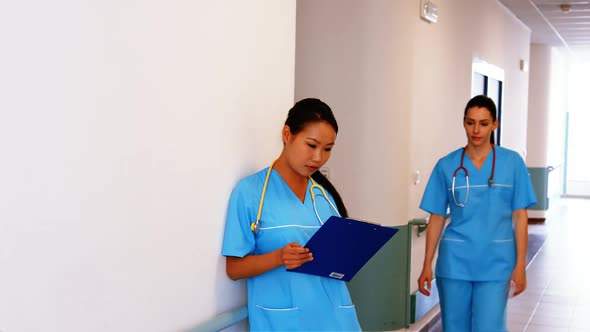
[[309, 149], [479, 126]]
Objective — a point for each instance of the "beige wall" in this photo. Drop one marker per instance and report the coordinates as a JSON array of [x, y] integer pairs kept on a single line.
[[547, 115], [346, 55], [398, 86], [539, 105], [547, 105]]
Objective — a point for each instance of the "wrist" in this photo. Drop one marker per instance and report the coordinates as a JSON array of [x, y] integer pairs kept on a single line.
[[279, 257], [519, 271]]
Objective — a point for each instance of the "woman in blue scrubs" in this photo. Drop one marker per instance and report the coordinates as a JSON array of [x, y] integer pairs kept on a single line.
[[482, 251], [261, 252]]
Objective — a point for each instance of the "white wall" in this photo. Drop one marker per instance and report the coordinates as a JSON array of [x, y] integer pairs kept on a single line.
[[557, 120], [398, 86], [123, 127]]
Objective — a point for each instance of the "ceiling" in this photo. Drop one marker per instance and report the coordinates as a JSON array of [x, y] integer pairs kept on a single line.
[[552, 24]]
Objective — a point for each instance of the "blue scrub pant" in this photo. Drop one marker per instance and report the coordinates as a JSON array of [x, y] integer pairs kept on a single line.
[[473, 306]]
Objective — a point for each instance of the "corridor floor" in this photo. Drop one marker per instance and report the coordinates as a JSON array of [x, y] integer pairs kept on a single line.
[[558, 295]]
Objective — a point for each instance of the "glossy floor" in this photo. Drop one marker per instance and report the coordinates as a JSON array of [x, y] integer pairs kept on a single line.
[[558, 295]]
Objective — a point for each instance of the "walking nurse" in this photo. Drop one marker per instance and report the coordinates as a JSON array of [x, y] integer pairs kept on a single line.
[[482, 251]]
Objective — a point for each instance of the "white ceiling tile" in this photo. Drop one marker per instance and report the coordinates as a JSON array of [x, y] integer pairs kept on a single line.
[[550, 25]]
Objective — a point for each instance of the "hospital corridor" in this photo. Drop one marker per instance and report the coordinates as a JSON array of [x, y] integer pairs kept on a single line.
[[160, 163], [558, 295]]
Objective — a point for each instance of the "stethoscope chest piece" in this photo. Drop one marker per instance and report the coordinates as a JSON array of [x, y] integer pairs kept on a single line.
[[466, 187], [255, 226]]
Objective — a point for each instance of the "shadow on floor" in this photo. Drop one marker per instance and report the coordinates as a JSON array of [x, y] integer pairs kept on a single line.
[[537, 237]]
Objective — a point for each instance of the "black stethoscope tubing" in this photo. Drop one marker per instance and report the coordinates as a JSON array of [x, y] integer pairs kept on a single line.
[[461, 167]]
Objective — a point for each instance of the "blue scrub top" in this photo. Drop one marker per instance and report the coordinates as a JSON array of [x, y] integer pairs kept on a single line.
[[478, 243], [279, 300]]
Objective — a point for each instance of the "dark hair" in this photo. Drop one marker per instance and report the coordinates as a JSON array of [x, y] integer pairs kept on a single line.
[[482, 102], [311, 110]]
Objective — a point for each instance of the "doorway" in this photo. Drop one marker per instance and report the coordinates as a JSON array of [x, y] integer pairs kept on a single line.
[[488, 80]]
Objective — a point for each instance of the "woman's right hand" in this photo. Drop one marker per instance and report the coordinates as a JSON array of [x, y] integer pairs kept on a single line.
[[293, 255], [424, 281]]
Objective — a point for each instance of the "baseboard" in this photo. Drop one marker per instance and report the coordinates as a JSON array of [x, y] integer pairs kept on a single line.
[[430, 322], [435, 324], [536, 220], [537, 214], [421, 304]]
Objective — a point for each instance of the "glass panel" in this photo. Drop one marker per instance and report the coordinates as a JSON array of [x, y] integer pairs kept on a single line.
[[478, 84], [494, 91]]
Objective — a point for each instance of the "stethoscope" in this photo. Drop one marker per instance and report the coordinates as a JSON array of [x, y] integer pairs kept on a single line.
[[255, 226], [462, 168]]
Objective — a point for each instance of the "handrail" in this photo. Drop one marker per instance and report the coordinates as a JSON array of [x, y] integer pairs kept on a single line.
[[222, 321], [422, 223]]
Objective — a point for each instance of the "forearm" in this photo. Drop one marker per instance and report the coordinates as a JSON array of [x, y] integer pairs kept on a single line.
[[252, 265], [520, 218], [436, 224]]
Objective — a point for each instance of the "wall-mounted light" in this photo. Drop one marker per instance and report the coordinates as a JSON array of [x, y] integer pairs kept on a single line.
[[524, 65], [565, 8], [428, 11]]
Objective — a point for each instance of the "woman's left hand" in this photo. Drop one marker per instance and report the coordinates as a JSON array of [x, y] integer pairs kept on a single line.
[[519, 279]]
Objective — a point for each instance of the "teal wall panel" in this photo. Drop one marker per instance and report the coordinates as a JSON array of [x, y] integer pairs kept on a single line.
[[540, 179], [380, 291]]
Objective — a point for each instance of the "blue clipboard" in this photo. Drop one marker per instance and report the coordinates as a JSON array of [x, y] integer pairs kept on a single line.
[[342, 246]]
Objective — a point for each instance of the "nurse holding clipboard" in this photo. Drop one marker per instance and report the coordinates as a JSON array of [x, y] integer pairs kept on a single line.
[[272, 214]]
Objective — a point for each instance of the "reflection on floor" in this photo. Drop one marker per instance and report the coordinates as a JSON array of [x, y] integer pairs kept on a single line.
[[558, 295]]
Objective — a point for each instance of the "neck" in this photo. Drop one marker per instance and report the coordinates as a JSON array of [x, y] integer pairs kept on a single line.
[[292, 178], [478, 152]]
